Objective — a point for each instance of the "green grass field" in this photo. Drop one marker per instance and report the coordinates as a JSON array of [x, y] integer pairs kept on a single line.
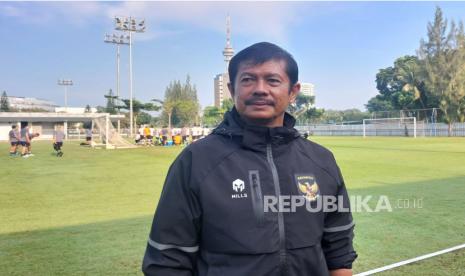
[[89, 213]]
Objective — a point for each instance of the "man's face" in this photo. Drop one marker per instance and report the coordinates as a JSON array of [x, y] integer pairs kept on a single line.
[[263, 92]]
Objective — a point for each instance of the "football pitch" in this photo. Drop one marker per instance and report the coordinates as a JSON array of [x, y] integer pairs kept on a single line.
[[89, 212]]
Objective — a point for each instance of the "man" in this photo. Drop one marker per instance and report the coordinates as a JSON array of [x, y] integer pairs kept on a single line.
[[14, 140], [25, 140], [213, 216], [58, 137], [89, 136], [147, 135], [184, 134], [164, 135]]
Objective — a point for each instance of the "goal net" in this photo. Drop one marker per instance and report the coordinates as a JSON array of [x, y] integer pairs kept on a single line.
[[406, 126], [108, 136]]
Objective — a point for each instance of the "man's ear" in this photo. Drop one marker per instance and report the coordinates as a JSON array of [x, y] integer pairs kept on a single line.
[[231, 90], [295, 90]]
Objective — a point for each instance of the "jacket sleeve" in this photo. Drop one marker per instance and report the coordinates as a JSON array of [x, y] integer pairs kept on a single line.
[[173, 242], [338, 232]]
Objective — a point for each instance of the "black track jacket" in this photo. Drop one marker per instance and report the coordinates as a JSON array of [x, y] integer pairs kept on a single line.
[[211, 217]]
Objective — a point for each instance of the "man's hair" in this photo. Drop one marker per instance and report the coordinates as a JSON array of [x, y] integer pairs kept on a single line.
[[260, 53], [13, 126]]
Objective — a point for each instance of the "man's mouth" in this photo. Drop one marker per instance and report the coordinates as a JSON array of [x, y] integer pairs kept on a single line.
[[259, 102]]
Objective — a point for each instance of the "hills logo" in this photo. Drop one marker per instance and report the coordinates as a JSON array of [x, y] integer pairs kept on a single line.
[[238, 186]]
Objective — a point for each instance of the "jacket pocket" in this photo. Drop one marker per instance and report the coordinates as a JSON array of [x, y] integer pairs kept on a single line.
[[257, 198]]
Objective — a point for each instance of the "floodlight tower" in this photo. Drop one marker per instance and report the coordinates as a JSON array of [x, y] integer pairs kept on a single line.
[[130, 25], [65, 83], [118, 40]]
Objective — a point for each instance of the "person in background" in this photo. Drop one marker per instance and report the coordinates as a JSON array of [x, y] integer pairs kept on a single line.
[[184, 134], [24, 139], [29, 145], [147, 136], [138, 139], [58, 137], [13, 136], [152, 135], [164, 135], [88, 136]]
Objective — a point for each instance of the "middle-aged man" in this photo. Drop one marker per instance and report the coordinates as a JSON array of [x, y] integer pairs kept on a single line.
[[217, 214]]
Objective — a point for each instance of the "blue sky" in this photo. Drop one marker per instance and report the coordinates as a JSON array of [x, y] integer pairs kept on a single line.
[[339, 46]]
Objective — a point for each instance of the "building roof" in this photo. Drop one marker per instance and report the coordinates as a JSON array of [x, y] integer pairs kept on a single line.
[[53, 117]]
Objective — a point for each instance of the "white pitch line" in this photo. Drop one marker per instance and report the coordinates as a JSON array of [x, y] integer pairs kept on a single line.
[[391, 266]]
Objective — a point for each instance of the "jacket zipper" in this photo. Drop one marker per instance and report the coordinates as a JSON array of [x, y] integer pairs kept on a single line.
[[257, 199], [277, 189]]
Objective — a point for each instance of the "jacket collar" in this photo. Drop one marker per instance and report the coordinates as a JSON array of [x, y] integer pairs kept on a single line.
[[256, 137]]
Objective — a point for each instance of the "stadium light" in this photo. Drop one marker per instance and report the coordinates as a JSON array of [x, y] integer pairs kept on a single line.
[[130, 25], [65, 83], [117, 40]]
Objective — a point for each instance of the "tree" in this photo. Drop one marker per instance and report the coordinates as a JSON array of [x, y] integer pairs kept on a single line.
[[379, 103], [314, 114], [138, 107], [409, 73], [4, 103], [303, 110], [100, 109], [227, 104], [111, 103], [400, 86], [144, 118], [443, 57], [167, 110], [301, 105], [212, 116], [88, 109], [180, 106]]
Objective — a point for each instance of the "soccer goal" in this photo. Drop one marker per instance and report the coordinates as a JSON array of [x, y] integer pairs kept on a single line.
[[406, 126], [109, 137]]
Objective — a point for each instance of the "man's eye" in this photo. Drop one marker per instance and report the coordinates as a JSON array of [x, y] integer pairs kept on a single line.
[[246, 80], [274, 81]]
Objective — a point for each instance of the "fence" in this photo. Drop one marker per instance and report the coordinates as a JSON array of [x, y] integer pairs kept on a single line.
[[422, 130]]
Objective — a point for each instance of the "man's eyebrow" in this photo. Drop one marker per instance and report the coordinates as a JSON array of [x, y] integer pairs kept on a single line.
[[273, 75], [246, 74]]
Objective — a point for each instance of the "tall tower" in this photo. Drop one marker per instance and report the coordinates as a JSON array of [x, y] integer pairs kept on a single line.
[[228, 51], [221, 80]]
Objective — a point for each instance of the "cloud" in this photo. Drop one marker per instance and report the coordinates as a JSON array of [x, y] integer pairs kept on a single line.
[[23, 13], [264, 20], [270, 20], [76, 13]]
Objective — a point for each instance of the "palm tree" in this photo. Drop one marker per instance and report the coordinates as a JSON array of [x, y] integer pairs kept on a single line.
[[410, 74]]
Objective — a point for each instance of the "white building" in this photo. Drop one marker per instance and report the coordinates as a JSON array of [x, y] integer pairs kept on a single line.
[[221, 89], [44, 122], [22, 103], [307, 89], [74, 110]]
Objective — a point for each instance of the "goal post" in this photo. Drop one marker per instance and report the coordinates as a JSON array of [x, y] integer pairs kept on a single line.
[[109, 137], [405, 126]]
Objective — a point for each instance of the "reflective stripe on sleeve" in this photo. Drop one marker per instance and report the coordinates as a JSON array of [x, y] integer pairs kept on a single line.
[[339, 228], [160, 246]]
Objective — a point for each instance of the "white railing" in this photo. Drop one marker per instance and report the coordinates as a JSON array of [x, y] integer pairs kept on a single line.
[[422, 129]]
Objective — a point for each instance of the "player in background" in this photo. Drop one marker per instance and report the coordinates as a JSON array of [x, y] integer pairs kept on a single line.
[[13, 136]]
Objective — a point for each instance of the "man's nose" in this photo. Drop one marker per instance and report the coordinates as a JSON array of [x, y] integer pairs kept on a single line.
[[261, 87]]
